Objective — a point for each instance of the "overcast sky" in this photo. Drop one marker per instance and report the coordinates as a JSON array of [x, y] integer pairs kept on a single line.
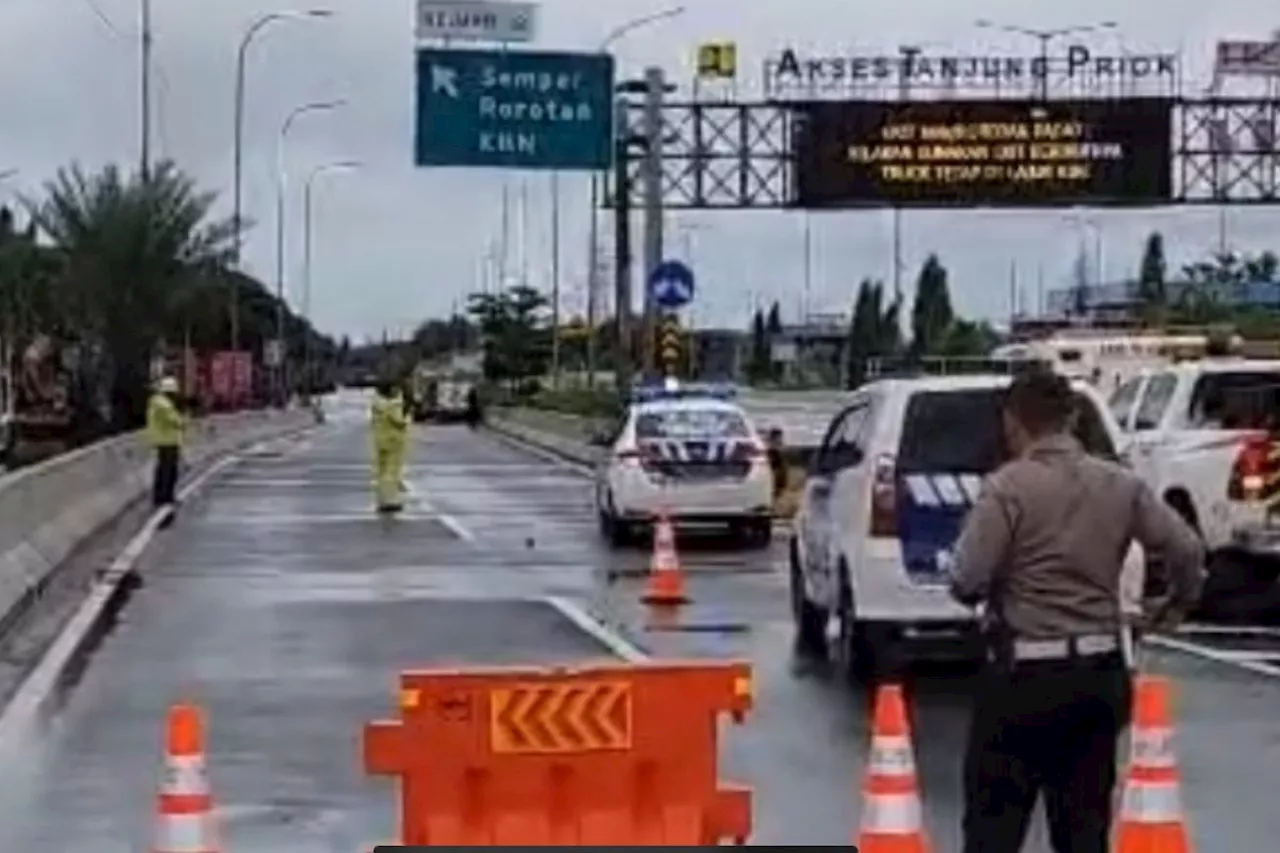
[[396, 244]]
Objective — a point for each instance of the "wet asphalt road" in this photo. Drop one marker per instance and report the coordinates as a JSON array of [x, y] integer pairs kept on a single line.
[[284, 606]]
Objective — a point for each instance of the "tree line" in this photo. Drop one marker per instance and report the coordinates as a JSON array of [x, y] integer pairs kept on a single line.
[[1194, 294], [875, 328], [122, 268]]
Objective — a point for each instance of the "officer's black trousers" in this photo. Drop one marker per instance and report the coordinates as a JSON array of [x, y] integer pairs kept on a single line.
[[164, 484], [1048, 726]]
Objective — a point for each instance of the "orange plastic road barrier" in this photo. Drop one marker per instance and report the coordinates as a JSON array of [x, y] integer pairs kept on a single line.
[[184, 806], [601, 755], [892, 817], [1151, 815], [665, 585]]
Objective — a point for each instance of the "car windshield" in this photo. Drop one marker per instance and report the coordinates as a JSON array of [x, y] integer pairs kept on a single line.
[[691, 423], [961, 431], [1237, 400]]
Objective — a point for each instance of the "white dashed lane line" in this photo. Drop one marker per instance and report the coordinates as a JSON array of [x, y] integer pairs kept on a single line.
[[1254, 648]]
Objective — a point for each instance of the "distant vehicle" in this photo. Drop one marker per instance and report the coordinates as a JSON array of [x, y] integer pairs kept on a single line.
[[1106, 358], [692, 452], [440, 395], [1206, 436], [883, 504]]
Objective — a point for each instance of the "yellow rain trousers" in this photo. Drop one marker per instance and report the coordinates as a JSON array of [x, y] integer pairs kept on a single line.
[[390, 428]]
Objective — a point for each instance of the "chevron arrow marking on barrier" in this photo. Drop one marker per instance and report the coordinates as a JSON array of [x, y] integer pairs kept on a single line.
[[583, 717]]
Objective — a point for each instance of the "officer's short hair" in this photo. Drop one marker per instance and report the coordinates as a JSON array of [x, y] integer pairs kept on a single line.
[[1040, 400]]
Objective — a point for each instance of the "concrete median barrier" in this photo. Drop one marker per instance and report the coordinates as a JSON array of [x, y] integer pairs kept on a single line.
[[48, 510]]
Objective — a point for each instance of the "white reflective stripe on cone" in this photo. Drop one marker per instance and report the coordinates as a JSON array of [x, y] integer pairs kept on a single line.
[[184, 776], [1153, 747], [184, 834], [891, 814], [891, 756], [1152, 802]]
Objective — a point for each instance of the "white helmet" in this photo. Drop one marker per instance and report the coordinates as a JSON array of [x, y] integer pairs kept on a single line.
[[168, 385]]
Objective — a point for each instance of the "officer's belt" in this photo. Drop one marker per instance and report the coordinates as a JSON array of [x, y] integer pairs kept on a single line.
[[1083, 645]]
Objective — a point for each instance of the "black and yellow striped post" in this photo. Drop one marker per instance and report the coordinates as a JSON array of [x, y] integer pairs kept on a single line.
[[670, 345]]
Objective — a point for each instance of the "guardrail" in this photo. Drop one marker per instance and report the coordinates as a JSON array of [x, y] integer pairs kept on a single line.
[[50, 509]]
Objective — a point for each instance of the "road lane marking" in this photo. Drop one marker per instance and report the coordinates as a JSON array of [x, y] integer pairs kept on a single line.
[[1215, 655], [1261, 657], [1230, 631], [602, 633], [457, 528]]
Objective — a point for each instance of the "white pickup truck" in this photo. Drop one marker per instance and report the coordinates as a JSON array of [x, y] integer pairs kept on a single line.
[[1206, 436]]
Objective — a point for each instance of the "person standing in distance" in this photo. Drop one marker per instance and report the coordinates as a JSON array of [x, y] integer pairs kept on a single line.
[[389, 425], [1044, 548], [165, 427]]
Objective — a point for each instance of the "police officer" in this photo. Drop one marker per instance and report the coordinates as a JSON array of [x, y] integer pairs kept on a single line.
[[1043, 548], [165, 426], [389, 424]]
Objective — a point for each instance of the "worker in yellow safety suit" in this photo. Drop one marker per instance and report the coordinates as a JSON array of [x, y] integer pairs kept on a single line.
[[165, 427], [390, 428]]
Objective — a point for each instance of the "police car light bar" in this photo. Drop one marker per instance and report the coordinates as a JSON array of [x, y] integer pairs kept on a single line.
[[669, 389]]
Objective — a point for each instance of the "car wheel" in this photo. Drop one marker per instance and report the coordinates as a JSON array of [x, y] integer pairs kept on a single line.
[[810, 620], [762, 533], [860, 648], [617, 533]]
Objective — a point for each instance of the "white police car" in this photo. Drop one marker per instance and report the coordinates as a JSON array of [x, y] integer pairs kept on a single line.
[[691, 451], [882, 506]]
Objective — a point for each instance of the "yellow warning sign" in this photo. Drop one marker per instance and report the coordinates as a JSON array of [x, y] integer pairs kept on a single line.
[[583, 717], [718, 60]]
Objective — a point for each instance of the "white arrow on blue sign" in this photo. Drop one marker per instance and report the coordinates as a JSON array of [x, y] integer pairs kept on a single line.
[[671, 284]]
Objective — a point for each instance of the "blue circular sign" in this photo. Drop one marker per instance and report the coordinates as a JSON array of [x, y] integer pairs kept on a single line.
[[671, 284]]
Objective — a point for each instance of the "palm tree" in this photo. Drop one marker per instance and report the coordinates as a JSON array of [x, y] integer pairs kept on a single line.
[[129, 246]]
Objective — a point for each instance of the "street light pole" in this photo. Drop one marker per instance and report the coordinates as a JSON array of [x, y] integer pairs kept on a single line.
[[1044, 37], [144, 108], [322, 169], [237, 179], [593, 238], [285, 127]]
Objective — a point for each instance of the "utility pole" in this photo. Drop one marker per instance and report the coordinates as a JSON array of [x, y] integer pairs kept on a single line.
[[504, 247], [651, 182], [624, 362], [144, 107], [555, 279], [593, 279]]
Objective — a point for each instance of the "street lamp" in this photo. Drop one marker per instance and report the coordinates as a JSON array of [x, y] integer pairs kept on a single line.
[[242, 55], [285, 127], [1044, 37], [337, 166], [593, 240]]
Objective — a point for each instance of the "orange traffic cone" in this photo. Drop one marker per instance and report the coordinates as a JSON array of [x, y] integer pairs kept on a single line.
[[892, 816], [1151, 817], [666, 577], [184, 806]]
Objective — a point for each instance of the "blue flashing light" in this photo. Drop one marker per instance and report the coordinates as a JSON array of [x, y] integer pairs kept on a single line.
[[667, 389]]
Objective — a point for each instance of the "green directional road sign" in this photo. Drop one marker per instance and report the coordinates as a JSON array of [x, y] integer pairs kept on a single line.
[[514, 109]]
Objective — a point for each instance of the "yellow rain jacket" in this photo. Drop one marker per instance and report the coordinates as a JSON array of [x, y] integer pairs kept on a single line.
[[390, 426], [165, 424]]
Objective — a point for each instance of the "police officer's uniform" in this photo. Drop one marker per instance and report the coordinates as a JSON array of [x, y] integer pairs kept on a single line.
[[1044, 548], [165, 427]]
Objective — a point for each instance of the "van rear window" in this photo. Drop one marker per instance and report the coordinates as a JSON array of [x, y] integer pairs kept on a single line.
[[691, 423], [960, 431], [1237, 400]]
